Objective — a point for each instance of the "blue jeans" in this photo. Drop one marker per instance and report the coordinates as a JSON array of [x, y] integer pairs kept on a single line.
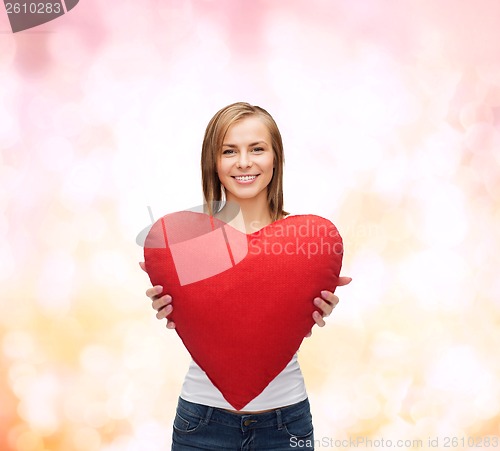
[[202, 427]]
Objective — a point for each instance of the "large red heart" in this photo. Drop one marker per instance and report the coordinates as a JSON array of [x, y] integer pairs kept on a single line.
[[242, 303]]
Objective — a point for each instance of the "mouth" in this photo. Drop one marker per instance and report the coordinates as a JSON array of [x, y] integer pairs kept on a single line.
[[245, 178]]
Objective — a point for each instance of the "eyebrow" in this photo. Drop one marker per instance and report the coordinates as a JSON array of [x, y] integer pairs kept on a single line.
[[252, 144]]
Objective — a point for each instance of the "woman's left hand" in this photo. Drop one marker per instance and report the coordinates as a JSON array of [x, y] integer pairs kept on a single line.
[[326, 303]]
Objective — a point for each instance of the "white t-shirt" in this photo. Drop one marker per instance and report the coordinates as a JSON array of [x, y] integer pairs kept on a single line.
[[286, 388]]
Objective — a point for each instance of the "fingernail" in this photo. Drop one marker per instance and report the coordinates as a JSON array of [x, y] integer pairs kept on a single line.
[[317, 301], [324, 293]]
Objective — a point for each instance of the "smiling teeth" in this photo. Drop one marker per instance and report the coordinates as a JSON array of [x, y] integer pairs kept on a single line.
[[245, 178]]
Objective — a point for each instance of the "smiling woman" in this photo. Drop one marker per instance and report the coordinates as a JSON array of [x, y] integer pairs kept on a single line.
[[242, 164]]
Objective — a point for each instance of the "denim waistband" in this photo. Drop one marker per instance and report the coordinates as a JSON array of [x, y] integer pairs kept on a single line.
[[272, 418]]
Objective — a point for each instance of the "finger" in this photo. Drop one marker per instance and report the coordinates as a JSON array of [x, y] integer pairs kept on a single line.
[[309, 334], [344, 281], [143, 266], [164, 312], [318, 319], [170, 324], [329, 297], [151, 293], [162, 302], [325, 307]]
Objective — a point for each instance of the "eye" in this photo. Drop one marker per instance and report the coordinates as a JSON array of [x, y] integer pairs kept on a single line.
[[227, 152], [258, 149]]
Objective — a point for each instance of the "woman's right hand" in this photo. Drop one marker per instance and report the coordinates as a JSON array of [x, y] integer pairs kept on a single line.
[[163, 305]]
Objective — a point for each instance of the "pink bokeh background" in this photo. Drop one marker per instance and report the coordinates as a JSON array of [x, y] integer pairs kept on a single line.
[[390, 115]]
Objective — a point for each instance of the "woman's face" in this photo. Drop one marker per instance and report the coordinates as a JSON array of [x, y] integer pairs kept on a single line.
[[245, 165]]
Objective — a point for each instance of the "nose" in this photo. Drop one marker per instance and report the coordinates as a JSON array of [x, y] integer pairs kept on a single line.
[[244, 160]]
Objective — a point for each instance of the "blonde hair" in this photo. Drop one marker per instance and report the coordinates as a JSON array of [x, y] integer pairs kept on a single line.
[[212, 146]]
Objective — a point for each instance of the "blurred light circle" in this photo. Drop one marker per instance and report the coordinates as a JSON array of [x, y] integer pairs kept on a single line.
[[339, 408], [139, 352], [67, 119], [390, 177], [29, 441], [8, 259], [68, 47], [365, 385], [55, 153], [97, 359], [92, 227], [480, 137], [422, 409], [373, 268], [109, 268], [18, 345], [213, 46], [95, 414], [485, 161], [99, 105], [396, 225], [9, 128], [178, 20], [21, 377], [388, 345], [86, 439], [458, 370], [152, 430], [73, 405], [487, 405], [82, 184], [39, 111], [56, 283], [57, 233], [442, 219], [119, 407], [439, 155], [366, 407], [473, 113], [38, 406], [446, 275], [7, 50]]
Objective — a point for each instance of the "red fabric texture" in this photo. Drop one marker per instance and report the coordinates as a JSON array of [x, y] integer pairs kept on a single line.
[[242, 302]]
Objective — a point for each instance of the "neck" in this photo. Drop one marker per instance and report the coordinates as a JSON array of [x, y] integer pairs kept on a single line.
[[253, 213]]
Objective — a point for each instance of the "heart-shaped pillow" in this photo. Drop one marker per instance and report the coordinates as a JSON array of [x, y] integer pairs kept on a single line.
[[242, 302]]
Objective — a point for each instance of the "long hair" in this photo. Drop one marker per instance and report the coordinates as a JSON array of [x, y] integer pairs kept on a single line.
[[211, 150]]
